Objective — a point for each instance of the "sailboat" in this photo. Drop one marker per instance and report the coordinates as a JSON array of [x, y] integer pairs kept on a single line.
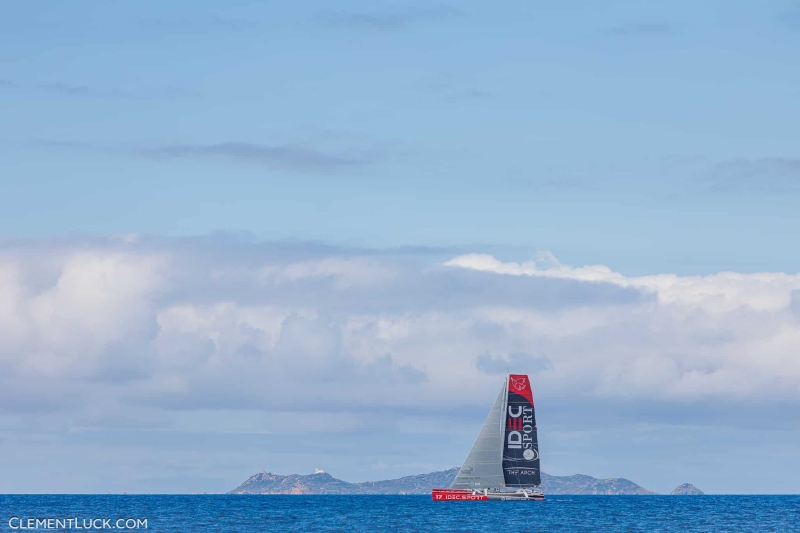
[[503, 464]]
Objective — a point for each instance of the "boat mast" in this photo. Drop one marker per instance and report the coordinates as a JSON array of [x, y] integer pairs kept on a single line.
[[503, 423]]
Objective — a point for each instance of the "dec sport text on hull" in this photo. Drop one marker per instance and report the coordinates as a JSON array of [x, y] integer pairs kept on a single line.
[[503, 464], [440, 495]]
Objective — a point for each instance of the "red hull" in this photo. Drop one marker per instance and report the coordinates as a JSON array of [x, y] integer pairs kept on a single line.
[[449, 495], [441, 495]]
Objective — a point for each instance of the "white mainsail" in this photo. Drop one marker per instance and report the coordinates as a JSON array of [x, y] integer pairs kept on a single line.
[[483, 468]]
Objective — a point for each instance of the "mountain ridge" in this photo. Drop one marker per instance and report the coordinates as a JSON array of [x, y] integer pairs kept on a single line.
[[323, 483]]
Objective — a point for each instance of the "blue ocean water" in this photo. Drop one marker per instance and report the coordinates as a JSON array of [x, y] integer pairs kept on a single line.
[[229, 513]]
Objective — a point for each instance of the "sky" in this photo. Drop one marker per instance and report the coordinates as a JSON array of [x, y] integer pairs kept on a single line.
[[285, 236]]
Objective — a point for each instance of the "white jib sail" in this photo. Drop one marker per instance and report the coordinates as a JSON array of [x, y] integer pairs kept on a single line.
[[483, 468]]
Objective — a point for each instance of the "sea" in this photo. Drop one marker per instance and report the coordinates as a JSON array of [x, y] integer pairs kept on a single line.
[[245, 513]]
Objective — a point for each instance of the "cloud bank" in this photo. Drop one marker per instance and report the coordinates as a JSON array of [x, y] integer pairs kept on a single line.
[[108, 325]]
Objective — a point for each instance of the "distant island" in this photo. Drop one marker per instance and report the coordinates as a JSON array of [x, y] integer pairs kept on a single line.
[[323, 483], [686, 489]]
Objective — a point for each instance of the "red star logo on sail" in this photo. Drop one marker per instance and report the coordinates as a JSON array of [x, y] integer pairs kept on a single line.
[[518, 384]]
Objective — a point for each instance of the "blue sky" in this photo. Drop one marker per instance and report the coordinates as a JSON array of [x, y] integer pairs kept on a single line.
[[255, 173], [646, 137]]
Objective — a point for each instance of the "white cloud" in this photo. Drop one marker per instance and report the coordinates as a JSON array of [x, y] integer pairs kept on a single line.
[[98, 299], [726, 335], [140, 323], [722, 292]]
